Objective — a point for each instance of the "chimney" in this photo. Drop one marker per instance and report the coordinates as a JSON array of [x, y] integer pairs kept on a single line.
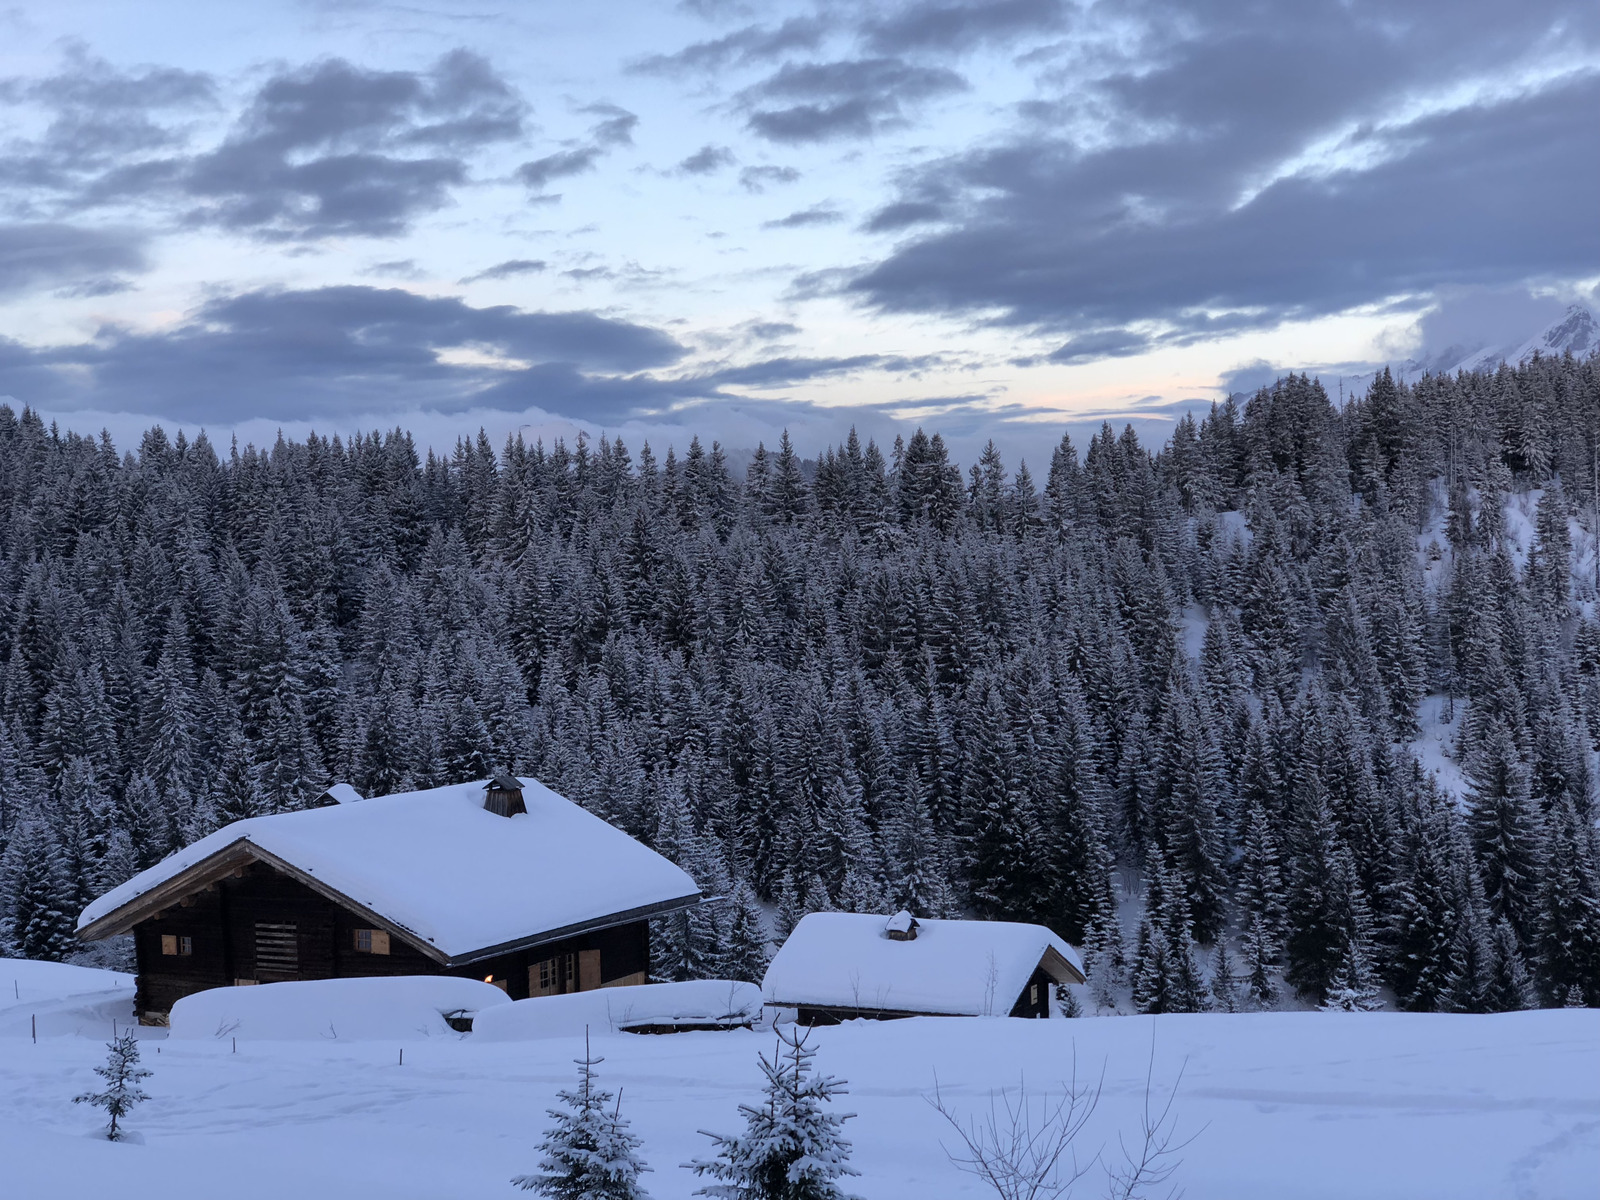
[[902, 927], [337, 794], [503, 796]]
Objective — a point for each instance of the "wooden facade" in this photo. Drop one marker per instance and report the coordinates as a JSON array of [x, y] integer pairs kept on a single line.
[[255, 924]]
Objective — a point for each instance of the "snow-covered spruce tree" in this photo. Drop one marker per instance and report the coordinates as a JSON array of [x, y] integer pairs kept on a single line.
[[792, 1147], [122, 1074], [589, 1153], [1353, 988], [747, 950], [37, 894]]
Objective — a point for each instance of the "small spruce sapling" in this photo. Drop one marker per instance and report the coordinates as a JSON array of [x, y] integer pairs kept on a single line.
[[122, 1074], [791, 1149], [589, 1154]]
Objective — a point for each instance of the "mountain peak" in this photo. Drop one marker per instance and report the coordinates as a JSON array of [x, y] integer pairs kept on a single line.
[[1576, 330]]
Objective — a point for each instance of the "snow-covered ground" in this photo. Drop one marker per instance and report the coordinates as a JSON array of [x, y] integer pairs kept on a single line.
[[1282, 1105]]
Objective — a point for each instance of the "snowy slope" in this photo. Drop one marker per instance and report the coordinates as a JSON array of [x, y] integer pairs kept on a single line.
[[1284, 1106]]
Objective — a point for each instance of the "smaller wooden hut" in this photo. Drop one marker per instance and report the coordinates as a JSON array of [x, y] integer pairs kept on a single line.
[[839, 966]]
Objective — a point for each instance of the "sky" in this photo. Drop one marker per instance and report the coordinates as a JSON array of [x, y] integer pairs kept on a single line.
[[998, 219]]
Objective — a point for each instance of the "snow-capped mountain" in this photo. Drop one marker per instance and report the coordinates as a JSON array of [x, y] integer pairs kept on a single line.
[[1577, 331]]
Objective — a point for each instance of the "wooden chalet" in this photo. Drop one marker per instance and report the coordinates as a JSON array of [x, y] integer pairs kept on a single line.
[[505, 882], [840, 966]]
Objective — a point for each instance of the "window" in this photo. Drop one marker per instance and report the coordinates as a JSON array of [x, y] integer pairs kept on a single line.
[[553, 976], [176, 944], [372, 941]]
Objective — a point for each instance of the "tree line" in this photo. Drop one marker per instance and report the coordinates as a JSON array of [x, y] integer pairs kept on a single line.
[[1173, 702]]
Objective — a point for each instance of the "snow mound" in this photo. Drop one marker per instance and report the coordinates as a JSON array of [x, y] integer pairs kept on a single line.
[[344, 1010], [715, 1003], [61, 1000]]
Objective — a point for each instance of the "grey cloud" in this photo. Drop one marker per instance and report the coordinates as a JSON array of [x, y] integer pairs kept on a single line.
[[1102, 343], [753, 43], [326, 149], [903, 214], [816, 102], [707, 160], [777, 372], [615, 127], [772, 330], [99, 117], [1163, 226], [563, 163], [394, 268], [82, 262], [756, 179], [817, 214], [921, 26], [509, 268], [343, 350]]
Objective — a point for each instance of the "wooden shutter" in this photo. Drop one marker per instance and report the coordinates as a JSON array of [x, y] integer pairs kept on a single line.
[[169, 943], [588, 970], [380, 941], [277, 949]]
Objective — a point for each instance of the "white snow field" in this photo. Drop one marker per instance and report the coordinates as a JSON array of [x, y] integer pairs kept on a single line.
[[1282, 1105]]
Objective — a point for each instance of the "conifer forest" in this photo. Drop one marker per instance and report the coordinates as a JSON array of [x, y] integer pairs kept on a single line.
[[1298, 708]]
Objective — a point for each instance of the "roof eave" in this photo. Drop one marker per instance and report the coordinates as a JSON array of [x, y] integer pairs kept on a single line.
[[610, 921], [219, 865]]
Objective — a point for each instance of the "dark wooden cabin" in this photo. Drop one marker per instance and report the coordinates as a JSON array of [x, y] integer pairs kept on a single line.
[[389, 886]]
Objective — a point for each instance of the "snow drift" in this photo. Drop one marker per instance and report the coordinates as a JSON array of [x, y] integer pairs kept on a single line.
[[717, 1003], [61, 1000], [344, 1010]]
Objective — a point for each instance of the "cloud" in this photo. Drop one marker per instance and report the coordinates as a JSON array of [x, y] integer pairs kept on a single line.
[[615, 127], [753, 43], [707, 160], [756, 179], [817, 214], [83, 262], [322, 150], [1245, 173], [961, 26], [98, 118], [505, 270], [394, 268], [817, 102], [347, 349], [538, 173]]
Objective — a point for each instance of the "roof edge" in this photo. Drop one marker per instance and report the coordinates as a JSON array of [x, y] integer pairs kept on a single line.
[[610, 921], [218, 865]]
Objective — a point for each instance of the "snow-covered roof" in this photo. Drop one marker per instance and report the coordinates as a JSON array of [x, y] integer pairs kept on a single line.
[[958, 968], [437, 865]]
